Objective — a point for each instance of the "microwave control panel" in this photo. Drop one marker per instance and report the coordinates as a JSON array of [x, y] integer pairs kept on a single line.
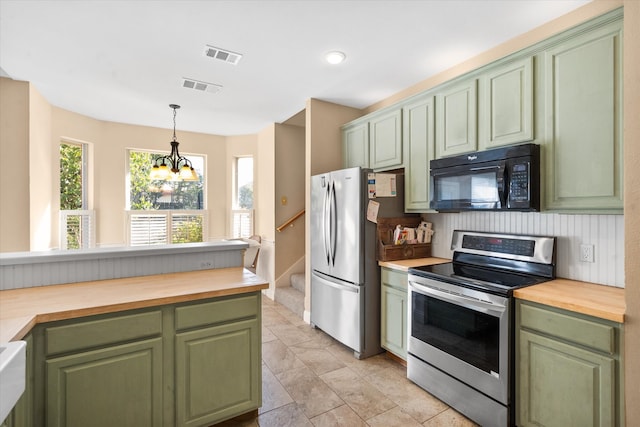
[[519, 184]]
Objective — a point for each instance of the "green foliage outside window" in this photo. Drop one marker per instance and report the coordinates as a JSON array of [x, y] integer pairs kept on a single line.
[[188, 231], [70, 177], [245, 196], [71, 190]]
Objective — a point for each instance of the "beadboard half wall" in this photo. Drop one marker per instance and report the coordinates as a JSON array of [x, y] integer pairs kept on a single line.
[[604, 232]]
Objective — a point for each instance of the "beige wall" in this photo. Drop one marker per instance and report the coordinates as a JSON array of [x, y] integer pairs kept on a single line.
[[264, 185], [30, 132], [632, 207], [41, 188], [110, 143], [289, 183], [14, 174]]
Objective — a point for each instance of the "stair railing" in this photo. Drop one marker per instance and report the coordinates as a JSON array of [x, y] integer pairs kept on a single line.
[[290, 221]]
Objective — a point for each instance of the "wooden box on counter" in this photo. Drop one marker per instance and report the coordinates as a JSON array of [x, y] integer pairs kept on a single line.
[[387, 251]]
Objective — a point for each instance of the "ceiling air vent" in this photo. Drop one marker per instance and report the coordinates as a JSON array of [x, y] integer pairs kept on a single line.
[[222, 55], [201, 86]]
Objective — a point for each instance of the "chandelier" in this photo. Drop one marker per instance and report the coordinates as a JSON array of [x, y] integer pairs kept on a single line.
[[173, 167]]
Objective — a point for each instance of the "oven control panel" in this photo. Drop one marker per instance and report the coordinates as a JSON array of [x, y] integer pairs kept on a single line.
[[501, 245], [536, 249]]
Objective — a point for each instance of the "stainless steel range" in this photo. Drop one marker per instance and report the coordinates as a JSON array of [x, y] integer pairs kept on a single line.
[[461, 326]]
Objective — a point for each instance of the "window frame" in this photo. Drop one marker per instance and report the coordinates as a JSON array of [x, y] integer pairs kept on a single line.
[[169, 214], [87, 215], [237, 214]]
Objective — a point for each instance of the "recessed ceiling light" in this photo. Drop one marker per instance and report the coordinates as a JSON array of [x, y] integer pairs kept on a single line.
[[335, 57]]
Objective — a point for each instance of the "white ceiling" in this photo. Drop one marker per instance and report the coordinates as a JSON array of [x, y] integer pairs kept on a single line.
[[123, 61]]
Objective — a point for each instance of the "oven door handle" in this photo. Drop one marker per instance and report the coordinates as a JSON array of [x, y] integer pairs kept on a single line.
[[488, 307]]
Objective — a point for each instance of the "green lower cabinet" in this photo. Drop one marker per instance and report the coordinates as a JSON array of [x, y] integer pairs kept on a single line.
[[568, 369], [393, 327], [114, 386], [189, 364], [216, 371]]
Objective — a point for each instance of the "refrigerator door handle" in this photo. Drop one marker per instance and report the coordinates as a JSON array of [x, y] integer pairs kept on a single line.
[[330, 281], [333, 216], [326, 224]]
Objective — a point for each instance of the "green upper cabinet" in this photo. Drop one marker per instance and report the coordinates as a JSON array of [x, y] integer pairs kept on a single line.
[[374, 141], [456, 119], [355, 145], [385, 140], [419, 149], [583, 108], [506, 104]]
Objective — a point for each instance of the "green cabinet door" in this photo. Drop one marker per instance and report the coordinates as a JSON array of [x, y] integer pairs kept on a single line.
[[385, 140], [569, 368], [419, 149], [506, 104], [218, 371], [113, 386], [393, 327], [583, 108], [456, 119], [563, 385], [355, 145]]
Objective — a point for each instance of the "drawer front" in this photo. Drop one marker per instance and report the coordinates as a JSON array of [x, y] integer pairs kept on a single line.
[[589, 333], [394, 278], [100, 332], [217, 311]]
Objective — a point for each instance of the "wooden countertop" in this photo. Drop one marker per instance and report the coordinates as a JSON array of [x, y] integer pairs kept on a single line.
[[22, 309], [406, 264], [605, 302]]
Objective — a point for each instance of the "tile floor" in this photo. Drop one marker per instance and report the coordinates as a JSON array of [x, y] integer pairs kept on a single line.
[[309, 379]]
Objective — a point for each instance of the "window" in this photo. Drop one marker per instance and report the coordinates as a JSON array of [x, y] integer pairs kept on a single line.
[[242, 210], [76, 220], [164, 212]]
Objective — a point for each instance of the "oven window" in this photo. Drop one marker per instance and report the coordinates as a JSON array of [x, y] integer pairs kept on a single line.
[[464, 333]]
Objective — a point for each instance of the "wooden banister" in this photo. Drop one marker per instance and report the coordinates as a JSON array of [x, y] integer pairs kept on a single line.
[[290, 221]]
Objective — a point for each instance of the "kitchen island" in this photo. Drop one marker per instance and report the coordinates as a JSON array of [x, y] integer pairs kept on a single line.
[[173, 349]]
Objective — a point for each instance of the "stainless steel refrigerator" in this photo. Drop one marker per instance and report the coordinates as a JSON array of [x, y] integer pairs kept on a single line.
[[345, 276]]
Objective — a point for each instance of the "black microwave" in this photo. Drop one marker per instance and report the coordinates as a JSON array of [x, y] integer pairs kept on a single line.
[[506, 178]]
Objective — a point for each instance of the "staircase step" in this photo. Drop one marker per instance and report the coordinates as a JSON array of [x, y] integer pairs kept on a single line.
[[297, 281], [291, 298]]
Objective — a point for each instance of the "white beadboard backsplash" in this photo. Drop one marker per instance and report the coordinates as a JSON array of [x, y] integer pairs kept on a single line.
[[604, 232]]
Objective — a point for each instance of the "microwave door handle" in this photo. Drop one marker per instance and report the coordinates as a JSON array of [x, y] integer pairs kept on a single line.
[[503, 188], [485, 168]]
